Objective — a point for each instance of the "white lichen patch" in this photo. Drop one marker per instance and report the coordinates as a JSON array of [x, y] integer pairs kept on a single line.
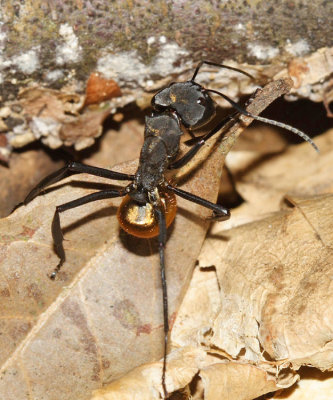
[[43, 126], [151, 40], [48, 130], [149, 83], [27, 62], [262, 52], [70, 50], [3, 65], [54, 75], [123, 66], [165, 59], [299, 48], [127, 67], [3, 37], [240, 27]]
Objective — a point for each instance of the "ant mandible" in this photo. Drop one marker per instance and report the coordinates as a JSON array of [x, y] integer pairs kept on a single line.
[[149, 204]]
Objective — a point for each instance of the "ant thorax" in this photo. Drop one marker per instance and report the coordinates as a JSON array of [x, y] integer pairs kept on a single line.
[[161, 145]]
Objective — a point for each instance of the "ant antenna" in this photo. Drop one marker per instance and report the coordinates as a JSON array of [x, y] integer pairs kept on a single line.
[[266, 120], [220, 66]]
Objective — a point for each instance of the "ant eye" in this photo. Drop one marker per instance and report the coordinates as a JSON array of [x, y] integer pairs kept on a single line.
[[201, 101]]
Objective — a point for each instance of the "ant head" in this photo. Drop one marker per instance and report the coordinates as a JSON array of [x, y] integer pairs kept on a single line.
[[189, 100]]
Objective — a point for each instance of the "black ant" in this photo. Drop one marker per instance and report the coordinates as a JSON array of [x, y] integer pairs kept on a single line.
[[149, 204]]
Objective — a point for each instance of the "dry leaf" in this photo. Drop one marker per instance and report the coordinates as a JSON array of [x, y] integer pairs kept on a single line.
[[273, 309], [83, 131], [49, 103], [328, 98], [235, 381], [262, 182], [119, 145], [141, 383], [308, 173], [274, 276], [313, 385], [309, 72], [104, 315], [53, 116], [269, 308], [25, 170], [100, 89]]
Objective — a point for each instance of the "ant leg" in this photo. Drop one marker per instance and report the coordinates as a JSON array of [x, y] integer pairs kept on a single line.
[[266, 120], [197, 146], [56, 228], [75, 168], [220, 213], [218, 65], [159, 213]]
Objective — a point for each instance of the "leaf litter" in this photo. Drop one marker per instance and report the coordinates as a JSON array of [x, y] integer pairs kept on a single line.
[[266, 285], [68, 337]]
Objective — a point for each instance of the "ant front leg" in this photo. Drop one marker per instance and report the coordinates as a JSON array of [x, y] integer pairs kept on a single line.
[[75, 168], [220, 213], [57, 234], [197, 146]]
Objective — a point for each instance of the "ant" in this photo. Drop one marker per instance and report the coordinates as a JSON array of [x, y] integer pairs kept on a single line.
[[149, 200]]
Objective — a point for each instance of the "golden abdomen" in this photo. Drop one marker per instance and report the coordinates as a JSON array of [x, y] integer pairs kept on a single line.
[[139, 219]]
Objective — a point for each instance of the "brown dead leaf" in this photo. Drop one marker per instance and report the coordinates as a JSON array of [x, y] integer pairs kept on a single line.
[[141, 382], [252, 259], [328, 98], [276, 295], [25, 170], [49, 103], [308, 173], [313, 385], [104, 315], [54, 117], [261, 140], [83, 131], [199, 308], [269, 308], [308, 71], [235, 381], [119, 145], [263, 183], [100, 89]]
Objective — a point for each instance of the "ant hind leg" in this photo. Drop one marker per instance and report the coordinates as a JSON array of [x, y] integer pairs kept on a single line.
[[57, 234], [75, 168], [159, 213], [220, 213]]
